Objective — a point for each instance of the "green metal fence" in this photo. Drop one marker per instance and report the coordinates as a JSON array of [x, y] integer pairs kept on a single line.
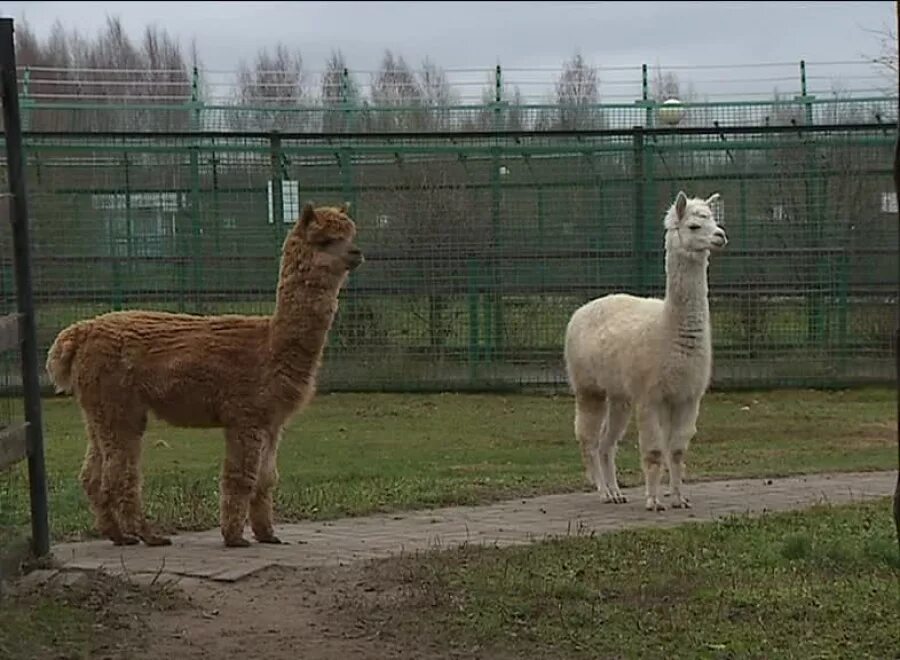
[[480, 245]]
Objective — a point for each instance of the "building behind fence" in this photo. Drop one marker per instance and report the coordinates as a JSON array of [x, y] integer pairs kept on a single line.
[[481, 237]]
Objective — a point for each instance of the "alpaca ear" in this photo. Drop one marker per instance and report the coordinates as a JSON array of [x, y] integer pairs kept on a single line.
[[712, 198], [344, 208], [680, 205], [307, 215]]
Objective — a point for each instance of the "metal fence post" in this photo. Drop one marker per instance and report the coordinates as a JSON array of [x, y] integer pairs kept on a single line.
[[637, 247], [542, 238], [37, 474], [349, 123], [472, 285], [494, 315], [276, 183], [196, 102], [645, 97], [217, 215], [348, 186], [196, 229], [129, 218], [815, 220]]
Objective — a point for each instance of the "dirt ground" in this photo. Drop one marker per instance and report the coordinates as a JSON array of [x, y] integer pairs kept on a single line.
[[277, 613], [364, 611]]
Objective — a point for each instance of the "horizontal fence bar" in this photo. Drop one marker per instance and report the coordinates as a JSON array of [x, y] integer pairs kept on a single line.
[[442, 136], [786, 290], [465, 253]]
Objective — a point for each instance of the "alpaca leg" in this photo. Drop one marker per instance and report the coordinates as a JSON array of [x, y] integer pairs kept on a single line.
[[261, 516], [617, 417], [122, 470], [652, 422], [92, 481], [243, 448], [684, 420], [590, 413]]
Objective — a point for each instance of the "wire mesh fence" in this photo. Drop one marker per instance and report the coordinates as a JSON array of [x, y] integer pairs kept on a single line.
[[21, 435], [14, 518], [480, 245]]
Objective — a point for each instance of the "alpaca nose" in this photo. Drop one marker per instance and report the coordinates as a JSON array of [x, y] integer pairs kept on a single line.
[[720, 234]]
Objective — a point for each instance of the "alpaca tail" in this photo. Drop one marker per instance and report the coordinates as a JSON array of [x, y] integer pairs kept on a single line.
[[61, 355]]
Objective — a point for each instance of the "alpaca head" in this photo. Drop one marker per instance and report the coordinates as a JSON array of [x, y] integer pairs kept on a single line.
[[322, 240], [691, 226]]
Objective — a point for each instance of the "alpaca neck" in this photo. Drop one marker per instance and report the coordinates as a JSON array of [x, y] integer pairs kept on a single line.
[[687, 301], [305, 306]]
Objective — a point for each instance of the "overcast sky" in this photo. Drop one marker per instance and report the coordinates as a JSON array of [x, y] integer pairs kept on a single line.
[[516, 34]]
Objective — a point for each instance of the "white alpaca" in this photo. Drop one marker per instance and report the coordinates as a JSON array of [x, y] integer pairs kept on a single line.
[[623, 351]]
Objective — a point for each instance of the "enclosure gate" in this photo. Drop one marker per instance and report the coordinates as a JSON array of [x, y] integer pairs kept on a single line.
[[20, 440]]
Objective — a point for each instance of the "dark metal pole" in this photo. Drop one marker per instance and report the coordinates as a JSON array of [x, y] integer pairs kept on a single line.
[[897, 330], [37, 473]]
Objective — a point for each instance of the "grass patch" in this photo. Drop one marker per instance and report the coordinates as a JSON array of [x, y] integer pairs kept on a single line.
[[354, 454], [824, 583]]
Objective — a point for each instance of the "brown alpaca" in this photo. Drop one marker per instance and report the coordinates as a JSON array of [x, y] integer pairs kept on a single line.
[[246, 374]]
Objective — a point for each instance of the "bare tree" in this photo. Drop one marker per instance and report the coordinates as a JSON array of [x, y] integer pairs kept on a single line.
[[406, 99], [506, 114], [515, 118], [394, 86], [665, 86], [577, 94], [166, 81], [437, 96], [436, 90], [109, 68], [886, 59], [339, 94], [47, 65], [395, 83], [272, 93]]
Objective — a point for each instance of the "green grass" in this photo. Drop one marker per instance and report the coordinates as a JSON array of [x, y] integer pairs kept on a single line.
[[34, 629], [818, 584], [354, 454]]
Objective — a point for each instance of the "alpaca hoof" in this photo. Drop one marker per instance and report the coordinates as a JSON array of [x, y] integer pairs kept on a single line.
[[271, 538], [155, 541], [655, 505], [240, 542], [681, 503], [125, 539]]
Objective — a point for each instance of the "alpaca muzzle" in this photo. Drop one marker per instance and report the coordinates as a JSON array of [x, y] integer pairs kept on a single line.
[[354, 258], [720, 240]]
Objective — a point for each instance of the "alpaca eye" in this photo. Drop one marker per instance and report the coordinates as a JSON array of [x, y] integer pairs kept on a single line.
[[693, 227]]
